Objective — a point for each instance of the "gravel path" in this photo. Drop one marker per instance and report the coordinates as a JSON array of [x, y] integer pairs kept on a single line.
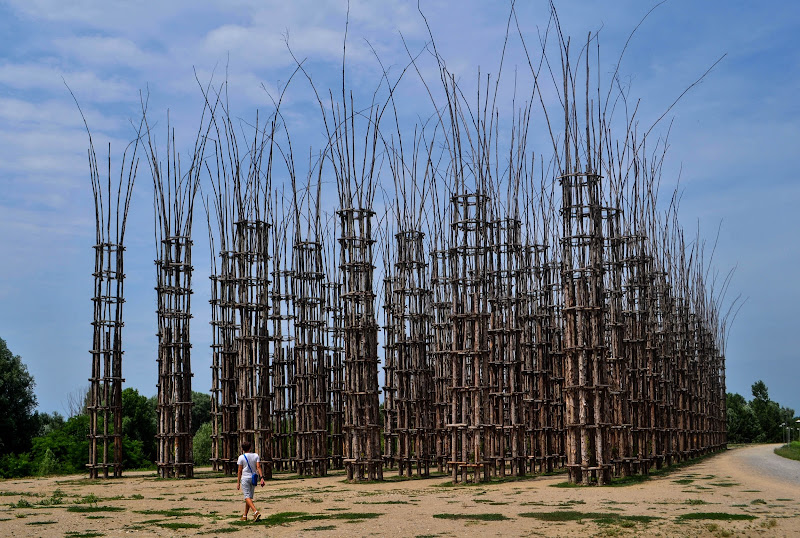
[[761, 461]]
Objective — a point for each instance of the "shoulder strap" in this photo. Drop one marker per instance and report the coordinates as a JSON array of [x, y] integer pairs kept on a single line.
[[248, 462]]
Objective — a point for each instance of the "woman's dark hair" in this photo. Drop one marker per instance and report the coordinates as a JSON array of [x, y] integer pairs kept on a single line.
[[246, 446]]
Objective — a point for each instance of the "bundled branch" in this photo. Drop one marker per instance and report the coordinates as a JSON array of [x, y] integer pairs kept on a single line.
[[174, 191], [111, 204]]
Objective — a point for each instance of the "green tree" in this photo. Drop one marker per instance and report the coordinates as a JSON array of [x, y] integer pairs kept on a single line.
[[68, 446], [201, 444], [49, 422], [138, 425], [742, 424], [201, 410], [18, 422], [767, 413]]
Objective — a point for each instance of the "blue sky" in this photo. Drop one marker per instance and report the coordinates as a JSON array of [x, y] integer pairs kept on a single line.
[[734, 141]]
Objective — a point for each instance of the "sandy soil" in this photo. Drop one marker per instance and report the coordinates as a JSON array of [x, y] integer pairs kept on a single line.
[[749, 481]]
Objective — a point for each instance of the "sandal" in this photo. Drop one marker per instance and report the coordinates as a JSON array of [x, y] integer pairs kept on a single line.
[[243, 518], [257, 516]]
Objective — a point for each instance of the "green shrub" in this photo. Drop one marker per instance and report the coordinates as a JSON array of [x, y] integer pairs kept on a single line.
[[202, 444], [69, 445], [133, 454], [49, 464], [15, 465]]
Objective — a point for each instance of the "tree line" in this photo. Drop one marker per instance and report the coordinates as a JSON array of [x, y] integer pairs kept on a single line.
[[34, 443], [760, 420]]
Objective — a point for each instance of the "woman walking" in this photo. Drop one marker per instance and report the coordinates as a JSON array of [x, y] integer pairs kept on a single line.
[[249, 465]]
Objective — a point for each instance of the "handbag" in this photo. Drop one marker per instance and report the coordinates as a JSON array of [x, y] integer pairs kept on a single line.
[[254, 478]]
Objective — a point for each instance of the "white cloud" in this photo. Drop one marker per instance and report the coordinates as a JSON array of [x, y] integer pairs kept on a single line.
[[46, 114], [101, 51], [87, 85]]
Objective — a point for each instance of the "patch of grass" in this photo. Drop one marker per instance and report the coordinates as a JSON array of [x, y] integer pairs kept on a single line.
[[84, 509], [597, 517], [472, 517], [96, 517], [791, 451], [41, 523], [769, 523], [285, 496], [398, 478], [137, 496], [784, 500], [758, 501], [555, 472], [22, 503], [625, 521], [171, 512], [695, 502], [321, 528], [179, 525], [684, 481], [88, 499], [493, 480], [724, 484], [716, 516], [490, 502], [284, 518], [353, 515], [56, 498], [76, 534], [81, 482], [629, 480], [382, 502], [222, 530]]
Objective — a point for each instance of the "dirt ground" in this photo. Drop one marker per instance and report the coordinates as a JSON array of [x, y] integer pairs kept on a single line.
[[744, 482]]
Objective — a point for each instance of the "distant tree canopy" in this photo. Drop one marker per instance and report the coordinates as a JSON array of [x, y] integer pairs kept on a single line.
[[201, 410], [33, 443], [138, 428], [756, 421], [18, 419]]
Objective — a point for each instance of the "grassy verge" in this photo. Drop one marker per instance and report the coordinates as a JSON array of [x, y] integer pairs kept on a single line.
[[790, 451]]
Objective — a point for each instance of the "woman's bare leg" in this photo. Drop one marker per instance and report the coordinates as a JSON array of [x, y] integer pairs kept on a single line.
[[248, 505]]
